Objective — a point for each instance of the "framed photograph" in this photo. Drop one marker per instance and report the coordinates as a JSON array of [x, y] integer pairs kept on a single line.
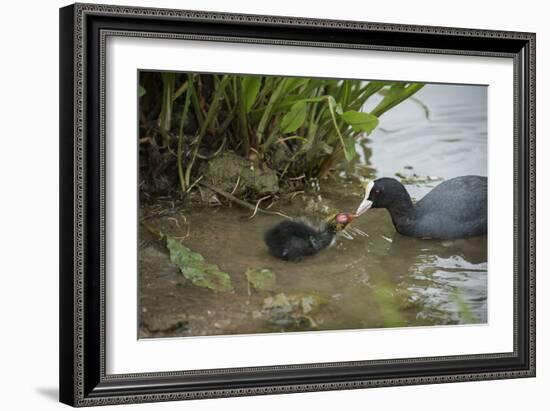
[[259, 204]]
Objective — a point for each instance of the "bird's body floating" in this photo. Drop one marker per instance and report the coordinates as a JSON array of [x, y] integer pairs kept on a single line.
[[294, 240], [456, 208]]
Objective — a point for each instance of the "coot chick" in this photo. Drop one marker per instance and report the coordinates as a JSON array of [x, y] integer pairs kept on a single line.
[[293, 240], [456, 208]]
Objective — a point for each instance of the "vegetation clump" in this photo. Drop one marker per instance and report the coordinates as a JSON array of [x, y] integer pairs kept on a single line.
[[252, 136]]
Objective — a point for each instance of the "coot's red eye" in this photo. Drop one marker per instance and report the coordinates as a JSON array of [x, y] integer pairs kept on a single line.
[[376, 192]]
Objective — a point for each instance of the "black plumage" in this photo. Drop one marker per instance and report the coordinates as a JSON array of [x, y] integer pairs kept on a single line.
[[456, 208], [293, 240]]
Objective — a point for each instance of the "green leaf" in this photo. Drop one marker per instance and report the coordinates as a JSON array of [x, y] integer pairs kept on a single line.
[[261, 278], [348, 143], [360, 121], [292, 83], [294, 118], [345, 91], [194, 268], [349, 148], [331, 102], [251, 87], [397, 93], [383, 91], [141, 91]]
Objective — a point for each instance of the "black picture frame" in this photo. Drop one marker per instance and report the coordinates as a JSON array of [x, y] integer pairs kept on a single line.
[[83, 381]]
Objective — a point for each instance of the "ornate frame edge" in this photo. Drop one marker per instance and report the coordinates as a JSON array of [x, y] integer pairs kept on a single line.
[[79, 158]]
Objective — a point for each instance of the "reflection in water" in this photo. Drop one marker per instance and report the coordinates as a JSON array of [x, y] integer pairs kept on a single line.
[[379, 280], [443, 273]]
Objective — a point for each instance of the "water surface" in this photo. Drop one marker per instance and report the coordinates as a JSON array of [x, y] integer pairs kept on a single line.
[[379, 279]]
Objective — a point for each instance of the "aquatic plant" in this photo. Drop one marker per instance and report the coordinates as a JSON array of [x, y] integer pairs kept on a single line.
[[300, 128], [192, 264]]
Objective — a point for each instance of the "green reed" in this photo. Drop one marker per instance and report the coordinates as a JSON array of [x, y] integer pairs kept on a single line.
[[296, 126]]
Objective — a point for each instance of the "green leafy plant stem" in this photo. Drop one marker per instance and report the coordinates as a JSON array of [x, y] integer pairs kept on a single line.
[[209, 117], [181, 175]]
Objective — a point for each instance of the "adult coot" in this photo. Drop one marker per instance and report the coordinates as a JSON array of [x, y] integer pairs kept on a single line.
[[293, 240], [456, 208]]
